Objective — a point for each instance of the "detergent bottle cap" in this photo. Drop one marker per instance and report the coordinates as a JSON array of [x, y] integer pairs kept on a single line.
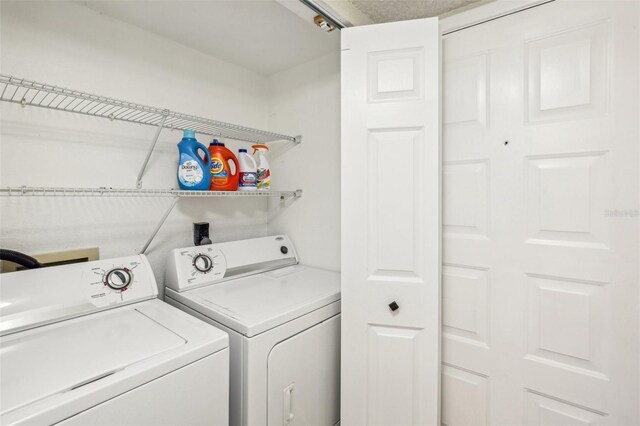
[[216, 142], [242, 150], [189, 134]]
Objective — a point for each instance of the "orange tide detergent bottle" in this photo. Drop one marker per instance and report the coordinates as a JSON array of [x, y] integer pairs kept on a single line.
[[224, 168]]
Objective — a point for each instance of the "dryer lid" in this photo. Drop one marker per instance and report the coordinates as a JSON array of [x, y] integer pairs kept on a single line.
[[61, 357], [257, 303]]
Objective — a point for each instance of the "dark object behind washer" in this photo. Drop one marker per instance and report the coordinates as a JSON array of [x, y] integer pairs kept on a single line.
[[20, 258]]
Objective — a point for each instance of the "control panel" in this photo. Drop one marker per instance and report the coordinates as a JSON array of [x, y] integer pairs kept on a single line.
[[117, 281], [200, 265], [44, 295], [192, 267]]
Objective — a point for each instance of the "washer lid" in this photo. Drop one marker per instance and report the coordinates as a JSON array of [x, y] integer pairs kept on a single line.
[[42, 296], [111, 350], [257, 303]]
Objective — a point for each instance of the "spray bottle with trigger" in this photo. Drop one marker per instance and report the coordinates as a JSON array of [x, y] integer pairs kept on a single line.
[[264, 173]]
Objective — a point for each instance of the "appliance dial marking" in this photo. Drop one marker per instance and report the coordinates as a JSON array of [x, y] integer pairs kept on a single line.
[[118, 278], [202, 263]]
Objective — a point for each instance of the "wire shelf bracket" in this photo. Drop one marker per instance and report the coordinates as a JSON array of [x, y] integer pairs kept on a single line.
[[151, 148], [159, 225]]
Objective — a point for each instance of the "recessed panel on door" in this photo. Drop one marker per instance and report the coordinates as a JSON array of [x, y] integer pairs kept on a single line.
[[394, 364], [465, 398], [394, 161], [568, 73]]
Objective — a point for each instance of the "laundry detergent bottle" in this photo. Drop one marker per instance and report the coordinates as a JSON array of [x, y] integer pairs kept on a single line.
[[248, 171], [264, 173], [193, 167], [224, 168]]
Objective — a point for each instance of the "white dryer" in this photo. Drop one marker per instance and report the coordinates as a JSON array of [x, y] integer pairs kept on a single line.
[[90, 344], [283, 321]]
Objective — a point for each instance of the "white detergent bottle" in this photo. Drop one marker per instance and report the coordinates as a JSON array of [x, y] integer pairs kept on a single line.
[[248, 171], [264, 173]]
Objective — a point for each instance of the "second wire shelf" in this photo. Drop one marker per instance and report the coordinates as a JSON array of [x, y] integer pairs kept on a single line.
[[127, 192]]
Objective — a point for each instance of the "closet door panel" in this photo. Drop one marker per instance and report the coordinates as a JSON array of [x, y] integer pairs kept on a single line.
[[390, 224], [555, 172]]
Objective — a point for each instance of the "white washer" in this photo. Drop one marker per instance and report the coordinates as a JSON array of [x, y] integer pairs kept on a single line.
[[91, 344], [283, 321]]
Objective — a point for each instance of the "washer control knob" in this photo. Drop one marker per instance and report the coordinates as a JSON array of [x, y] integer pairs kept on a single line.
[[118, 278], [202, 263], [284, 250]]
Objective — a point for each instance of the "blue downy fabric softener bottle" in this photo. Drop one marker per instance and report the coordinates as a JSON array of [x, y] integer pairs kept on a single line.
[[193, 171]]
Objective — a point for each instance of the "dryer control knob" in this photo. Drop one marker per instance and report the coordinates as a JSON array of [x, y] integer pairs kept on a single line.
[[284, 249], [118, 278], [202, 263]]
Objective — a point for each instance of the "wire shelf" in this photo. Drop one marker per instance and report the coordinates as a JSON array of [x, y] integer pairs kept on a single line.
[[25, 92], [125, 192]]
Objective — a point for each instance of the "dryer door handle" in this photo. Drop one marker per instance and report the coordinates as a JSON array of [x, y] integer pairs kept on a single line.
[[287, 406]]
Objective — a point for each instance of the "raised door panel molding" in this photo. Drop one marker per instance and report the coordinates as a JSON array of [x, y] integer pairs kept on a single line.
[[465, 317], [465, 198], [544, 411], [567, 199], [567, 326], [568, 322], [465, 297], [394, 364], [394, 185], [567, 74], [466, 90], [465, 398], [395, 75], [465, 99]]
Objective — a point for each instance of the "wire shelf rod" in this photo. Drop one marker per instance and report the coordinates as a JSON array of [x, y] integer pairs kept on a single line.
[[24, 191], [26, 92]]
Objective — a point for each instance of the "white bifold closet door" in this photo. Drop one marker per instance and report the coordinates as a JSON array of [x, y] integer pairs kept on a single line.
[[390, 224], [541, 218]]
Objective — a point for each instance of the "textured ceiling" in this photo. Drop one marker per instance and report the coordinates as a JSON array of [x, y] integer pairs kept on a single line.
[[380, 11]]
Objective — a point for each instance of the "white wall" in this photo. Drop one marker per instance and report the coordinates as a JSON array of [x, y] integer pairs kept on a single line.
[[306, 100], [69, 45], [72, 46]]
